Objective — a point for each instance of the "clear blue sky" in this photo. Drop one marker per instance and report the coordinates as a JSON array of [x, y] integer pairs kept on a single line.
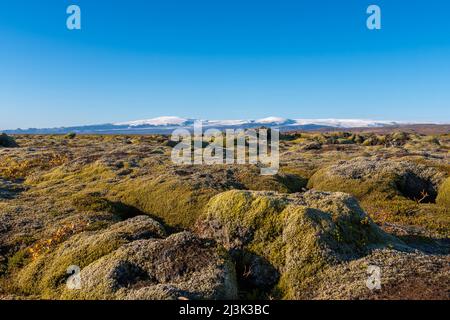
[[222, 59]]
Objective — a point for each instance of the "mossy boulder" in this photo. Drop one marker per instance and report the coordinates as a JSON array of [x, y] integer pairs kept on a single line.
[[285, 182], [298, 235], [443, 197], [373, 140], [362, 177], [397, 139], [71, 135], [180, 266], [46, 274], [179, 195], [392, 191], [312, 146], [404, 276], [7, 141]]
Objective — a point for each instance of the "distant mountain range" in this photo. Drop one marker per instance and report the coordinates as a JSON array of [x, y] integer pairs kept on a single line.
[[164, 125]]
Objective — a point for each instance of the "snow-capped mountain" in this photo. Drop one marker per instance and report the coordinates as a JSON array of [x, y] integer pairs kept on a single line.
[[269, 121], [167, 123], [160, 121], [274, 121]]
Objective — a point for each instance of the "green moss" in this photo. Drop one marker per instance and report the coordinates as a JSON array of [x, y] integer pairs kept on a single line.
[[440, 166], [179, 202], [47, 273], [359, 188], [435, 218], [371, 141], [95, 203], [297, 237], [282, 182], [176, 203], [91, 173], [303, 255], [381, 198], [18, 260], [70, 135], [7, 141], [345, 141], [302, 173], [443, 197]]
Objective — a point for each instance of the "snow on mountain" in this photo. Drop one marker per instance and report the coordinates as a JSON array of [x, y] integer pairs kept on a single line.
[[177, 121], [168, 123], [225, 123], [345, 123], [273, 121], [160, 121]]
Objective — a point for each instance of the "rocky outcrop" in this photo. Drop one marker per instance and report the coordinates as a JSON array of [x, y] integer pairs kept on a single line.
[[180, 266], [7, 142], [401, 275], [132, 259], [45, 275], [365, 176], [289, 240]]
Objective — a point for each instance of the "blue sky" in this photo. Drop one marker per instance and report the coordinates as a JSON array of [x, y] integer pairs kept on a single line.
[[222, 59]]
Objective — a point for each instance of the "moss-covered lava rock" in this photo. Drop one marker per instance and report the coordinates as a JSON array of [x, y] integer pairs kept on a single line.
[[46, 274], [394, 191], [7, 141], [132, 260], [364, 176], [180, 266], [299, 235]]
